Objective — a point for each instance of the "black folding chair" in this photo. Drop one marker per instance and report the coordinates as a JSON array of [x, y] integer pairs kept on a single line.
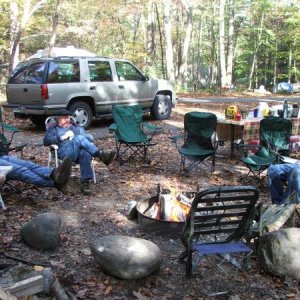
[[218, 220]]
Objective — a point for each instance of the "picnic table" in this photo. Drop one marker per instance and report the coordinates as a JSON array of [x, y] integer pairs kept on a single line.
[[246, 130]]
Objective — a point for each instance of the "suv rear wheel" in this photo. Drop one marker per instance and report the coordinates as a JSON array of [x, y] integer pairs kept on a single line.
[[82, 113], [161, 108]]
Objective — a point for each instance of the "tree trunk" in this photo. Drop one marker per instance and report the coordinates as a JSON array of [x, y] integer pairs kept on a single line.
[[54, 27], [14, 38], [161, 43], [18, 29], [150, 30], [182, 74], [290, 65], [199, 55], [168, 37], [230, 52], [222, 54], [254, 60], [213, 53]]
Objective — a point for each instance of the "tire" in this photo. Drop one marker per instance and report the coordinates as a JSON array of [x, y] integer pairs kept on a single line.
[[38, 121], [161, 108], [82, 113]]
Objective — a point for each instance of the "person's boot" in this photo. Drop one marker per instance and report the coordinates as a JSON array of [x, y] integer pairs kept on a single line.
[[86, 187], [61, 175], [107, 156]]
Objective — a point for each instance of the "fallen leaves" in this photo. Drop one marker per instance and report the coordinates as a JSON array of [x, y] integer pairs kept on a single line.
[[104, 212]]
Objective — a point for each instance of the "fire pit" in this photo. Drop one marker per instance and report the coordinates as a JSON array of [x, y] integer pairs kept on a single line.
[[158, 224]]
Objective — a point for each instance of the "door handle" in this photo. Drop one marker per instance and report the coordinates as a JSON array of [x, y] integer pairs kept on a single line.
[[92, 87], [121, 86], [25, 89]]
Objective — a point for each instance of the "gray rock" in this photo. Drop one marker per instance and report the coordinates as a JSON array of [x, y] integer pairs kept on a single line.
[[279, 252], [126, 257], [42, 232]]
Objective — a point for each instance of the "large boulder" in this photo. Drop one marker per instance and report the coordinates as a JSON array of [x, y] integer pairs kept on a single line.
[[42, 232], [279, 252], [126, 257]]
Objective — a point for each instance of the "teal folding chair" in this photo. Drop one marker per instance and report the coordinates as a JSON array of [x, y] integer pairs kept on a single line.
[[274, 136], [199, 140], [130, 133], [5, 140]]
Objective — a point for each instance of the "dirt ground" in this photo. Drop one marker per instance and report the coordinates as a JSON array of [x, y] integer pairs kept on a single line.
[[85, 218]]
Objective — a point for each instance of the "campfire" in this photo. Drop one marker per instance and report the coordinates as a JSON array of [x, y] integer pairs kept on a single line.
[[171, 206], [166, 212]]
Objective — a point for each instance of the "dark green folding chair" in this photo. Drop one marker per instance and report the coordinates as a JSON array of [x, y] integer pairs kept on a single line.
[[199, 140], [7, 133], [274, 136], [129, 129]]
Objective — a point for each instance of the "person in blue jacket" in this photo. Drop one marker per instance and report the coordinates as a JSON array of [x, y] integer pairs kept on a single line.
[[75, 142], [284, 183]]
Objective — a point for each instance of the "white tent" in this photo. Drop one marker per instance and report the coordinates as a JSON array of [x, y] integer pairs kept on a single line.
[[58, 51]]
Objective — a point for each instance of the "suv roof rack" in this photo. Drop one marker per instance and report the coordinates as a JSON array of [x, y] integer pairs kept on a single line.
[[73, 56]]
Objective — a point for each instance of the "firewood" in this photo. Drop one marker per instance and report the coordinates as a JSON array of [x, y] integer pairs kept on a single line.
[[59, 291]]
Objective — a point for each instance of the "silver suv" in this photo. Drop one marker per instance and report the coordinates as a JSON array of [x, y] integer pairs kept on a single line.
[[87, 86]]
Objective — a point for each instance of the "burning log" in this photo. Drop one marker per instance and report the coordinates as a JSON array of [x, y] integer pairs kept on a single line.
[[170, 206]]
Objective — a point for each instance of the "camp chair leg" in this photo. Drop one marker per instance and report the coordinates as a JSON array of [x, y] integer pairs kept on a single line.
[[2, 202], [213, 163], [140, 150], [189, 264]]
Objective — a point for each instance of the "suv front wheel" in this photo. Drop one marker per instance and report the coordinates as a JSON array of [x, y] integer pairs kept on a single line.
[[82, 113], [161, 108]]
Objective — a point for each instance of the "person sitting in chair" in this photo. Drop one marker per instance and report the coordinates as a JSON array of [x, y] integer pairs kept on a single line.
[[29, 172], [73, 141], [280, 174]]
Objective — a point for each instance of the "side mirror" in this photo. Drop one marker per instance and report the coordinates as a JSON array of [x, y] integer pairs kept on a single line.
[[146, 78]]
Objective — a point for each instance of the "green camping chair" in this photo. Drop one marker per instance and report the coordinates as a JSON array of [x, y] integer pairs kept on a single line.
[[131, 139], [7, 133], [199, 140], [274, 136]]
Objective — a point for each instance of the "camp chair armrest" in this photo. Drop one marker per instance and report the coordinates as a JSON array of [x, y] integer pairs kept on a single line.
[[150, 126], [112, 128], [18, 147], [54, 147], [244, 148], [10, 128], [176, 138], [249, 146], [219, 143]]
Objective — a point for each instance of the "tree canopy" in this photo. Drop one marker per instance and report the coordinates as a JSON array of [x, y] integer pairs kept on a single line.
[[199, 44]]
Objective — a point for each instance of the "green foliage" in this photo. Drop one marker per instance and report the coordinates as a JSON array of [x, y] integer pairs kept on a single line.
[[116, 28]]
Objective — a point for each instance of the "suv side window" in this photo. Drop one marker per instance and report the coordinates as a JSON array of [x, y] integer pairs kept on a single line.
[[35, 73], [100, 71], [127, 71], [18, 74], [63, 72]]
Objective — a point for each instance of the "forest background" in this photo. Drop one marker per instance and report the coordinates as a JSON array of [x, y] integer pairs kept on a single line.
[[208, 44]]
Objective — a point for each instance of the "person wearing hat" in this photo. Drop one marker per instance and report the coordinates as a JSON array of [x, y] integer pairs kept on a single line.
[[29, 172], [75, 142]]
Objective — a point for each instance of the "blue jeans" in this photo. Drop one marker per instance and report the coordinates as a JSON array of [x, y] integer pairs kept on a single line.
[[289, 173], [27, 171], [81, 151]]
